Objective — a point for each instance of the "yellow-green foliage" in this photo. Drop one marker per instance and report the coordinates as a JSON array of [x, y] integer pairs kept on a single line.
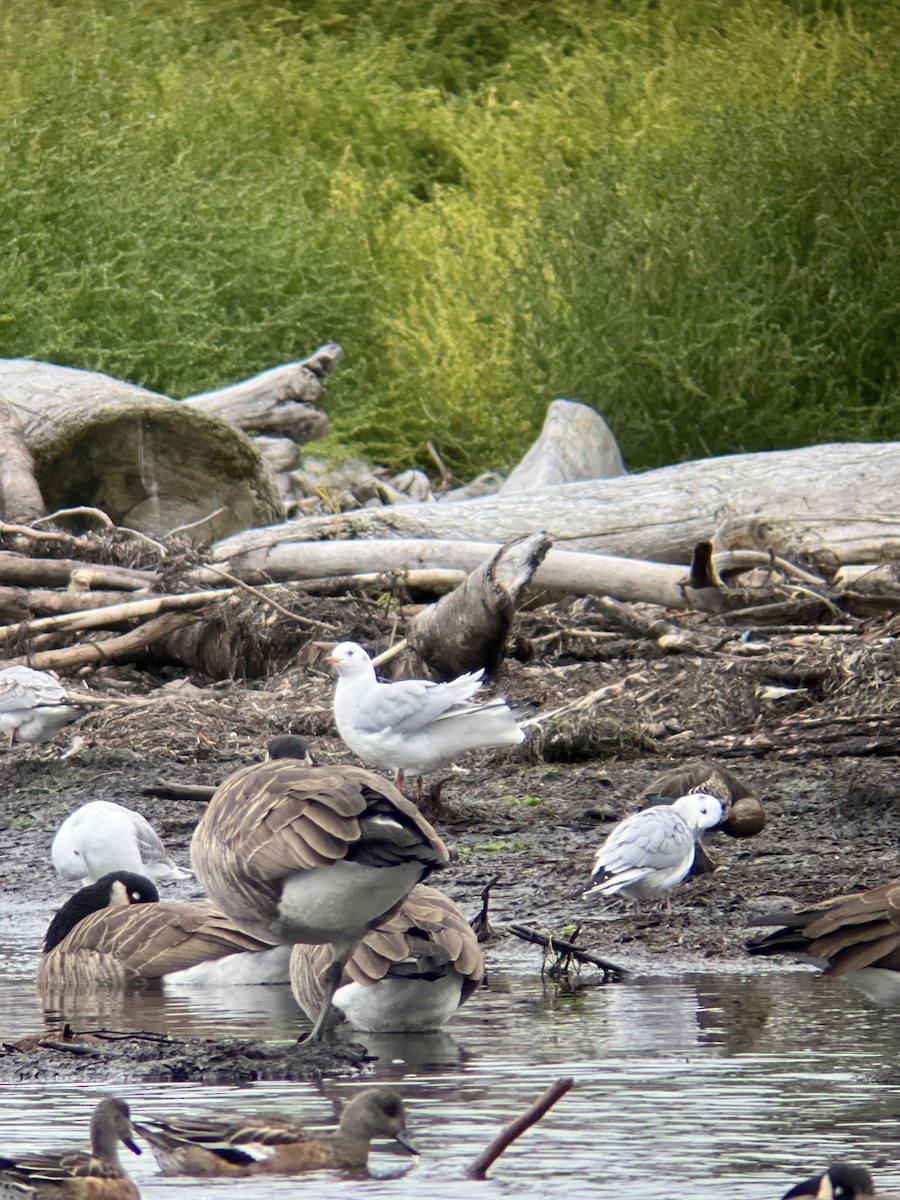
[[680, 211]]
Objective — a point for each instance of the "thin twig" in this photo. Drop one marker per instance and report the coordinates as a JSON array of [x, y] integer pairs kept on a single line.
[[260, 595], [486, 1159], [200, 521], [391, 652], [104, 519]]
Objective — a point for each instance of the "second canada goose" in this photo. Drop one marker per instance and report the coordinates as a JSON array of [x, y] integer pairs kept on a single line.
[[34, 705], [294, 852], [224, 1146], [410, 973], [101, 836], [77, 1174], [652, 850], [856, 936], [117, 932], [842, 1181]]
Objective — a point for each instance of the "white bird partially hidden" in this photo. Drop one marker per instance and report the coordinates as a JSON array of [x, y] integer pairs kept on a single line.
[[650, 852], [34, 705], [102, 836], [414, 726]]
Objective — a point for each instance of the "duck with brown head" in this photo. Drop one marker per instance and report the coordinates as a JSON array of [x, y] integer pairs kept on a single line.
[[219, 1146]]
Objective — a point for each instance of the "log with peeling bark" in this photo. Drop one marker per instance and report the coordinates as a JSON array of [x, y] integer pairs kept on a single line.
[[22, 571], [20, 496], [25, 604], [468, 628], [832, 504], [279, 401]]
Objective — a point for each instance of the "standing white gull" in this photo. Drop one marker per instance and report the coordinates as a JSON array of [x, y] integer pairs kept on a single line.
[[34, 705], [102, 836], [651, 851], [414, 726]]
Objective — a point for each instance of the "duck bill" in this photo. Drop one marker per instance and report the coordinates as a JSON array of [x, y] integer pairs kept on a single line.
[[132, 1146], [406, 1142]]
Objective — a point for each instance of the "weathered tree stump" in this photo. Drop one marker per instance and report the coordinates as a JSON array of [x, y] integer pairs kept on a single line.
[[151, 463], [467, 628]]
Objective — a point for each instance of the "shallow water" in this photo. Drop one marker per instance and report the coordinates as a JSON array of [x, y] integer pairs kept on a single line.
[[720, 1084]]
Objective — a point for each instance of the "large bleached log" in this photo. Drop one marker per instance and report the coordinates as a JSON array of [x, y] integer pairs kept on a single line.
[[561, 570], [468, 628], [151, 463], [278, 401], [838, 502], [20, 496]]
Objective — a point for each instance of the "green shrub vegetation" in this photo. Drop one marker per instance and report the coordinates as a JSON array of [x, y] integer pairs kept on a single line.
[[683, 212]]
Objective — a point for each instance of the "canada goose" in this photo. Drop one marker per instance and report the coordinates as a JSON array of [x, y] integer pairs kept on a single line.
[[410, 973], [652, 850], [856, 936], [294, 852], [34, 705], [102, 836], [253, 1146], [743, 812], [77, 1174], [414, 726], [116, 932], [840, 1182]]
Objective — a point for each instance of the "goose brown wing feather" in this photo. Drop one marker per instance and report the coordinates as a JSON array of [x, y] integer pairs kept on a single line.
[[877, 952], [282, 815], [858, 908]]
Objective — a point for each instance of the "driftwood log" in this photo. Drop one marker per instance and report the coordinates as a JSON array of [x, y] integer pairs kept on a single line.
[[468, 628], [561, 571], [278, 402], [829, 504], [151, 463]]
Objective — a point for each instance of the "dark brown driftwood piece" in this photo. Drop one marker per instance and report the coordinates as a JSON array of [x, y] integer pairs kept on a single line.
[[468, 628], [485, 1160]]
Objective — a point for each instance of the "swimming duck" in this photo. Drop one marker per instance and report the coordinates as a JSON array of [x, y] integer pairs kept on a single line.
[[77, 1174], [840, 1182], [294, 852], [116, 932], [414, 726], [101, 836], [855, 936], [651, 851], [410, 973], [218, 1146], [34, 706], [743, 811]]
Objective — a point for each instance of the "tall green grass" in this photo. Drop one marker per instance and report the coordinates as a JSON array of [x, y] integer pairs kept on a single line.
[[682, 212]]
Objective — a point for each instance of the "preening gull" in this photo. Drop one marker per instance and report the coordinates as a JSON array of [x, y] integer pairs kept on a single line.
[[651, 851]]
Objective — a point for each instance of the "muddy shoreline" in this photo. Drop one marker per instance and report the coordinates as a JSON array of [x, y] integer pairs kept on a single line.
[[530, 823]]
